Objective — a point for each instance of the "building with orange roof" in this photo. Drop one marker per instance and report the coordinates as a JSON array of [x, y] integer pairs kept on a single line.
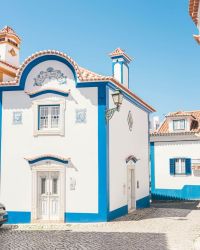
[[175, 157], [74, 143], [194, 11]]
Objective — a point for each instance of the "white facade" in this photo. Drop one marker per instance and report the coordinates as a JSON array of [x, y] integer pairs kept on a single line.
[[175, 158], [61, 158]]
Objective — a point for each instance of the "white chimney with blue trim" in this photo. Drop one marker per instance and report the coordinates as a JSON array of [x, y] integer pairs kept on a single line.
[[120, 66]]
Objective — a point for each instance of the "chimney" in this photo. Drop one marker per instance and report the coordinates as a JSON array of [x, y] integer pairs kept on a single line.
[[120, 66]]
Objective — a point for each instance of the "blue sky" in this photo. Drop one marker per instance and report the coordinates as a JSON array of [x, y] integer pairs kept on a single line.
[[156, 33]]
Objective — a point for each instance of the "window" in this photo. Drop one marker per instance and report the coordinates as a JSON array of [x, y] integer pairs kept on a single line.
[[179, 124], [49, 117], [179, 166]]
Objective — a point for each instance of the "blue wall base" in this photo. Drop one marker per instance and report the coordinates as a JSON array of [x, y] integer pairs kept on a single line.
[[143, 203], [118, 213], [18, 217], [188, 192]]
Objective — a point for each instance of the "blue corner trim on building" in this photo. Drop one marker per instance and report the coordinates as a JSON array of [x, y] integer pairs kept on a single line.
[[48, 91], [118, 213], [18, 217], [103, 197], [1, 95], [152, 168], [143, 203], [42, 158]]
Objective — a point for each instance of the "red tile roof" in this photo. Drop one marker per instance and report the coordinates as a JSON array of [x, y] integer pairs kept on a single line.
[[120, 52], [83, 75], [193, 10], [195, 125]]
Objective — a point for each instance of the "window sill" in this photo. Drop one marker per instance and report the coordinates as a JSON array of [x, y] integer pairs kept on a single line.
[[49, 132]]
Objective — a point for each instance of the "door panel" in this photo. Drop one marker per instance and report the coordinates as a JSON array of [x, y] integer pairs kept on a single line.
[[131, 189], [48, 195]]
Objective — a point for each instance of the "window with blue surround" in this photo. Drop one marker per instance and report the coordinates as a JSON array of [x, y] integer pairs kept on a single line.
[[180, 166], [179, 124], [48, 117]]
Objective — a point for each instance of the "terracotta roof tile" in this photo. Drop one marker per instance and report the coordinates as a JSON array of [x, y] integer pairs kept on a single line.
[[193, 10], [120, 52], [83, 75], [195, 125]]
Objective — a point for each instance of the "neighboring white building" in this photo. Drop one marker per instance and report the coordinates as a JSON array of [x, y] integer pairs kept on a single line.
[[175, 157], [61, 159], [194, 10]]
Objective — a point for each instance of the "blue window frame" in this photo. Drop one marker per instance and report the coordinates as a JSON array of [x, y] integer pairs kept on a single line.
[[180, 166]]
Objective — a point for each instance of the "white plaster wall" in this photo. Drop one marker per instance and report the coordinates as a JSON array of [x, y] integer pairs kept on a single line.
[[123, 143], [6, 56], [79, 143], [125, 75], [117, 71], [166, 150]]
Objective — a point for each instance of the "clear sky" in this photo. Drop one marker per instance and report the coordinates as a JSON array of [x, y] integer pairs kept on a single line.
[[165, 71]]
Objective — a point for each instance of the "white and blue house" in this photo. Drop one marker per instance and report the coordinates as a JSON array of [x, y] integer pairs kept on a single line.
[[175, 157], [74, 144]]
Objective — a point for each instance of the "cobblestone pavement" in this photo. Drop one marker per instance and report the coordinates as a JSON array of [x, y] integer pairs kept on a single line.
[[164, 226]]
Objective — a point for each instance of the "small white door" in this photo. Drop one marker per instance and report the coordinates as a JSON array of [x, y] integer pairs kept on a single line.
[[130, 189], [48, 195]]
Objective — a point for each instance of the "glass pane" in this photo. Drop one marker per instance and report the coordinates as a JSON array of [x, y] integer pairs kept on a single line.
[[55, 115], [43, 117], [177, 166], [183, 166], [43, 185], [55, 186]]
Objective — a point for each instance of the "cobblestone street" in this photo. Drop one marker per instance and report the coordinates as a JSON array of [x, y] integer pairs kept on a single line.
[[164, 226]]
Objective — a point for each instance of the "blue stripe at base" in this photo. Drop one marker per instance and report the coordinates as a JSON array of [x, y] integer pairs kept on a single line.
[[18, 217], [83, 218], [188, 192], [143, 203], [118, 213]]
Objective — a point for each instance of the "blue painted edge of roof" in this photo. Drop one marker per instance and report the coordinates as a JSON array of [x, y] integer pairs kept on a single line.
[[48, 91], [42, 158]]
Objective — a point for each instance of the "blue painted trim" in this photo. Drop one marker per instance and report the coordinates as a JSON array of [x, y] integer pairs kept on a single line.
[[1, 107], [152, 162], [129, 98], [18, 217], [118, 213], [108, 158], [143, 203], [119, 57], [47, 158], [32, 64], [103, 198], [82, 217], [188, 192], [48, 91]]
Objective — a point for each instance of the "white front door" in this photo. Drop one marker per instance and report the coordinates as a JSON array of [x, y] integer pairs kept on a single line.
[[48, 195], [130, 189]]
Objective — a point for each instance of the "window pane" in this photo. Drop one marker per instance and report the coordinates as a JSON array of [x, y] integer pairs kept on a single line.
[[55, 186], [177, 166], [182, 124], [43, 185], [183, 166], [43, 117], [55, 115]]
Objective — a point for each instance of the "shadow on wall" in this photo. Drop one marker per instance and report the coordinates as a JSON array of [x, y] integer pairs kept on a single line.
[[82, 240]]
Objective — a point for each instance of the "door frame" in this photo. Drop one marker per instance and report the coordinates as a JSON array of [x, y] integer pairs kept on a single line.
[[131, 169], [35, 200]]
